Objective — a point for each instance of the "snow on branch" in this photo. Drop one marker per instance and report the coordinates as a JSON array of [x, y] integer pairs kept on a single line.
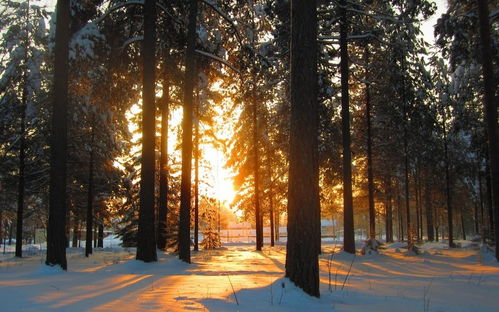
[[131, 40], [134, 2], [224, 16], [218, 59]]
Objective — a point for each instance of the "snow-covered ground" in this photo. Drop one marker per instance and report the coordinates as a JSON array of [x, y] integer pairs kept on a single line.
[[237, 278]]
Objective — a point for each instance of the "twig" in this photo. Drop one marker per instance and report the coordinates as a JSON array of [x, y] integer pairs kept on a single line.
[[349, 269], [282, 292], [329, 267], [427, 298], [232, 286]]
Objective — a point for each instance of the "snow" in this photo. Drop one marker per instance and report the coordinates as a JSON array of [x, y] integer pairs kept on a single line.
[[237, 278]]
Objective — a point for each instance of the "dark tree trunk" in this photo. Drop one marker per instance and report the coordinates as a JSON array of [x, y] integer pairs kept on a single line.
[[146, 236], [482, 211], [256, 173], [90, 197], [22, 146], [348, 232], [490, 108], [74, 241], [400, 217], [418, 203], [429, 212], [22, 166], [448, 188], [302, 263], [100, 235], [196, 178], [490, 203], [370, 179], [163, 168], [271, 202], [1, 226], [11, 230], [405, 107], [277, 224], [463, 227], [389, 211], [56, 233], [185, 188]]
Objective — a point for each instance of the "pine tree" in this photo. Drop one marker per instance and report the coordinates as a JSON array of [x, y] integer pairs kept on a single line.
[[56, 233], [185, 196], [146, 242], [490, 109], [302, 266]]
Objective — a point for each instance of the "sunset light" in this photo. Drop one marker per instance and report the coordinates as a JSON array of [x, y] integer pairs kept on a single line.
[[249, 155]]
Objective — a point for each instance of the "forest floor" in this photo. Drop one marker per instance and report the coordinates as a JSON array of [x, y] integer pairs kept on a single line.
[[237, 278]]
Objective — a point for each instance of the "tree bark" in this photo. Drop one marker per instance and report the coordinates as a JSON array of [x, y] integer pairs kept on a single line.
[[256, 172], [196, 178], [185, 188], [370, 179], [146, 237], [22, 166], [271, 202], [56, 233], [429, 212], [348, 232], [302, 264], [163, 168], [389, 211], [100, 235], [90, 197], [448, 188], [490, 108]]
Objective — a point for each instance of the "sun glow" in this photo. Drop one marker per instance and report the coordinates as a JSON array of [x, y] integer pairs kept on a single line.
[[215, 179]]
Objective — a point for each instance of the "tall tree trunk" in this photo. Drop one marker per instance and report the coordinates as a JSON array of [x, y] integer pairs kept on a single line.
[[22, 145], [302, 263], [463, 227], [100, 235], [196, 178], [256, 172], [429, 212], [90, 196], [185, 188], [482, 212], [163, 167], [146, 237], [370, 179], [1, 226], [22, 166], [448, 188], [271, 201], [389, 211], [348, 232], [490, 108], [56, 233], [277, 224], [490, 203], [418, 202], [74, 241], [400, 217]]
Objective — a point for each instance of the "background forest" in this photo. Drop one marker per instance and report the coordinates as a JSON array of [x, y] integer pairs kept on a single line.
[[408, 113]]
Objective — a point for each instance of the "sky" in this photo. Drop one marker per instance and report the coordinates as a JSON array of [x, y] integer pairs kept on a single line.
[[427, 27]]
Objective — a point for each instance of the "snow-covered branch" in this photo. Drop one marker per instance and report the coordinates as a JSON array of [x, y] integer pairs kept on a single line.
[[131, 40], [218, 59], [224, 16], [134, 2]]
